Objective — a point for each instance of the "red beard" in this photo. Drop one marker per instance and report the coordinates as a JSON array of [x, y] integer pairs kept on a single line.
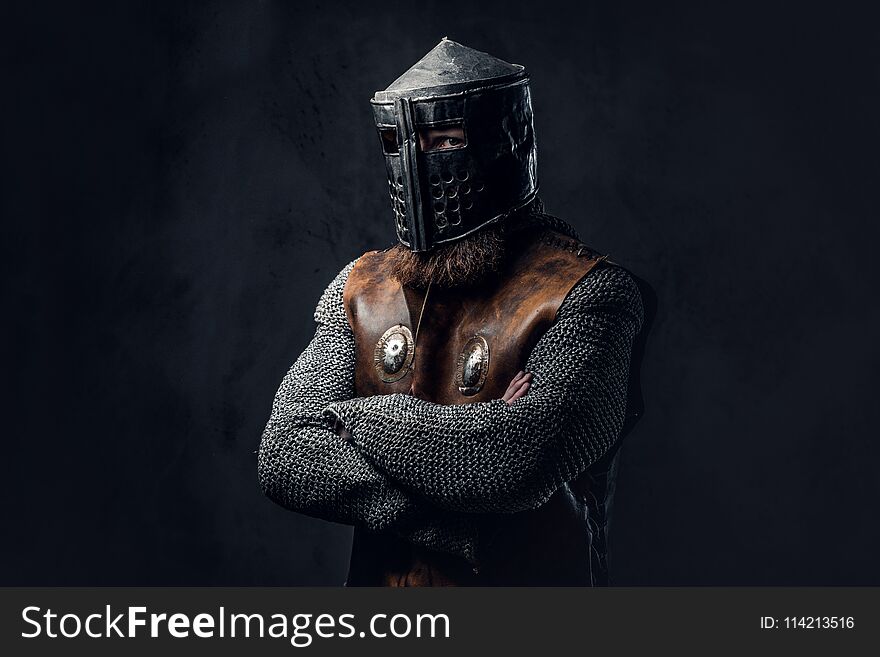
[[461, 263]]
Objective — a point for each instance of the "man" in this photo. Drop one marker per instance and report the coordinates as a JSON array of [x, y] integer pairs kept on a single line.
[[462, 400]]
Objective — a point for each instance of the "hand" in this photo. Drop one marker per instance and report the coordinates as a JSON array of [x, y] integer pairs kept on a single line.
[[518, 387]]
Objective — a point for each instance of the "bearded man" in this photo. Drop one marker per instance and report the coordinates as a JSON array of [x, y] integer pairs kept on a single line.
[[464, 395]]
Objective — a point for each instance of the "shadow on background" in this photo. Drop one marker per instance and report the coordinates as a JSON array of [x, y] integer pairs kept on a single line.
[[186, 179]]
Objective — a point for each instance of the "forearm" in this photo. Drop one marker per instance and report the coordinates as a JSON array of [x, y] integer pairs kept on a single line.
[[305, 466], [308, 468], [311, 470], [486, 459]]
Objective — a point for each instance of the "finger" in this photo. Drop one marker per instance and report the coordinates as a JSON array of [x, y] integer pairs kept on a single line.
[[523, 389], [514, 383], [526, 379], [520, 390]]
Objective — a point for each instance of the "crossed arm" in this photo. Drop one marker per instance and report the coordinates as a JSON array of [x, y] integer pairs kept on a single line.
[[495, 457], [303, 464], [422, 470]]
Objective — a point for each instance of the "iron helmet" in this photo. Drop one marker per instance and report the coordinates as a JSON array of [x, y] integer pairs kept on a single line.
[[441, 195]]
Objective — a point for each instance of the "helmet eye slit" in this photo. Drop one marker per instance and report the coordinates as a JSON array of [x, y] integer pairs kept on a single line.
[[442, 138], [389, 140]]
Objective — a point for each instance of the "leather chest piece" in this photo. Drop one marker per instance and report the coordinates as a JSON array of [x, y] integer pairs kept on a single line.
[[456, 346]]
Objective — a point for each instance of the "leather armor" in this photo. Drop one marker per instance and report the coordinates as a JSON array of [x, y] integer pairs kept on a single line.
[[507, 314]]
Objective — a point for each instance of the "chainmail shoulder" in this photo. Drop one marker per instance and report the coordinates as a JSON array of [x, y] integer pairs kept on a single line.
[[305, 466], [490, 457]]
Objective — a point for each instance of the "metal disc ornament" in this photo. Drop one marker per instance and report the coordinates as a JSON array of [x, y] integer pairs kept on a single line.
[[393, 355], [473, 366]]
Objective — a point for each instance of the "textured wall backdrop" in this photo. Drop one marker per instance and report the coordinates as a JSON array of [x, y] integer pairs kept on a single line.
[[186, 179]]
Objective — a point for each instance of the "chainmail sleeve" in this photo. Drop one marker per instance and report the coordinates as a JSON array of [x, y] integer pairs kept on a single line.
[[490, 457], [305, 466]]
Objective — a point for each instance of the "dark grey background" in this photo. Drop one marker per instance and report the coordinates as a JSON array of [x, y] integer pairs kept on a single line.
[[184, 179]]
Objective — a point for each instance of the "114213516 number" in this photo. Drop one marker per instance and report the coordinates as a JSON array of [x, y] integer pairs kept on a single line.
[[818, 622]]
